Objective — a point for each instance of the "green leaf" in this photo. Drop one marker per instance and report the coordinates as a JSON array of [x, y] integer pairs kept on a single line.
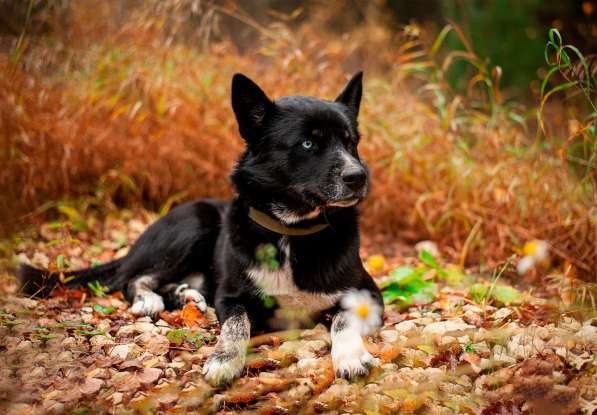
[[505, 294], [478, 292], [402, 275], [96, 263], [394, 293], [89, 332], [501, 294], [426, 294], [273, 264], [268, 301], [70, 212], [176, 337], [97, 288], [102, 309], [428, 259], [60, 261], [431, 262], [453, 275], [416, 291]]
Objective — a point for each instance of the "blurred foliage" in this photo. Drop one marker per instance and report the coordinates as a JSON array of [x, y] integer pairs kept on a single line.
[[122, 103], [506, 32]]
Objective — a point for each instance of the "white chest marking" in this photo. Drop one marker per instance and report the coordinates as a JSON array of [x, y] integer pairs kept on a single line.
[[280, 284]]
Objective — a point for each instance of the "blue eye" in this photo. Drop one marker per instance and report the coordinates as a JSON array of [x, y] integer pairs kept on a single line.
[[307, 144]]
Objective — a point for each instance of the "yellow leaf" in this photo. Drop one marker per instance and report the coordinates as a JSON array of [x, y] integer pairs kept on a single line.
[[426, 348], [376, 263], [396, 394]]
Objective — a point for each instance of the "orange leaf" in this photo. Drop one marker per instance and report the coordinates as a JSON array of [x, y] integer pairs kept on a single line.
[[191, 316]]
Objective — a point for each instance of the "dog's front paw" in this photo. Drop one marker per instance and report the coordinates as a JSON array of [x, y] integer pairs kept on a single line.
[[222, 367], [147, 304], [186, 294], [351, 359]]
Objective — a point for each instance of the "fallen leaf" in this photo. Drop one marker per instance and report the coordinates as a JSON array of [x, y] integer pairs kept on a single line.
[[191, 316], [91, 386], [148, 375]]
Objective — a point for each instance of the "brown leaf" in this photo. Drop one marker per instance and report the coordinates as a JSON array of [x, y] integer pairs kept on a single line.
[[91, 386], [125, 382], [132, 363], [392, 316], [247, 390], [172, 318], [148, 375]]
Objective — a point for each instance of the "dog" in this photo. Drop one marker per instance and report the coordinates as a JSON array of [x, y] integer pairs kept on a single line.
[[281, 254]]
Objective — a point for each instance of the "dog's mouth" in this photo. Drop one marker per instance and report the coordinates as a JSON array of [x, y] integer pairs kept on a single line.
[[320, 199], [344, 203]]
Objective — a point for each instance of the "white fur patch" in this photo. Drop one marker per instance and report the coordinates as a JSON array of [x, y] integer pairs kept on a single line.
[[186, 294], [349, 161], [289, 217], [147, 303], [349, 355], [228, 360], [218, 371], [196, 281], [280, 284]]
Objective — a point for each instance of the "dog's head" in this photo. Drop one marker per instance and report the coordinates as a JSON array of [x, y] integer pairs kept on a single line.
[[301, 156]]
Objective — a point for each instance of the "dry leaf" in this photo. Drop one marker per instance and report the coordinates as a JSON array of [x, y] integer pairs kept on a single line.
[[191, 316], [148, 375]]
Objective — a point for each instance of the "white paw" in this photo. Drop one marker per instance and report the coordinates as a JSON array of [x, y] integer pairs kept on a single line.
[[147, 304], [350, 358], [186, 294], [222, 367]]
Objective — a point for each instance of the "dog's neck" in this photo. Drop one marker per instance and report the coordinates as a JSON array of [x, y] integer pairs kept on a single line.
[[277, 226]]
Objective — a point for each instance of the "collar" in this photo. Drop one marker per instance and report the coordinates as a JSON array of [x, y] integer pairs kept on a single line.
[[273, 225]]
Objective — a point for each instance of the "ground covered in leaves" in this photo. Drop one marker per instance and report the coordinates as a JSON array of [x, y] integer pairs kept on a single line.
[[451, 343]]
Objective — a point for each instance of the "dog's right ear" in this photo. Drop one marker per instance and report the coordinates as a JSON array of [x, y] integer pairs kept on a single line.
[[251, 106]]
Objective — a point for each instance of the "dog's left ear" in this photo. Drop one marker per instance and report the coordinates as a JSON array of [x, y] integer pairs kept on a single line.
[[351, 95], [251, 106]]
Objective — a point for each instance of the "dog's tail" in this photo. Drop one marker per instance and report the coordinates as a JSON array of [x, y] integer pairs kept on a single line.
[[40, 283]]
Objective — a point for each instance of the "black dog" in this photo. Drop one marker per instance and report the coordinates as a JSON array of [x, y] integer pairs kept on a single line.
[[283, 252]]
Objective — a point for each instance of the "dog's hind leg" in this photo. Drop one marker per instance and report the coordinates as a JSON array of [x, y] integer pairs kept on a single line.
[[145, 300], [191, 288]]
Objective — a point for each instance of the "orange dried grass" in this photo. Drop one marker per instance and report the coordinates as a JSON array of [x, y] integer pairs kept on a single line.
[[144, 119]]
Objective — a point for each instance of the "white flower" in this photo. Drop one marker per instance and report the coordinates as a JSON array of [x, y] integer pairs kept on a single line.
[[364, 311], [535, 252], [525, 264]]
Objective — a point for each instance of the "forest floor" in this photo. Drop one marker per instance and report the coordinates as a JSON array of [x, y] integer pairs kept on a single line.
[[465, 350]]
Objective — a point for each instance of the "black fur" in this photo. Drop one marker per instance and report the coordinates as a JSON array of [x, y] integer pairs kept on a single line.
[[300, 166]]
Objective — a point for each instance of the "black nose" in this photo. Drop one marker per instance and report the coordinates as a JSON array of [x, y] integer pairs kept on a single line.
[[354, 178]]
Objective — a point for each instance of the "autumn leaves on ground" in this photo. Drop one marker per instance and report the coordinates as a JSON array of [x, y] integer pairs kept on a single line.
[[451, 342], [480, 229]]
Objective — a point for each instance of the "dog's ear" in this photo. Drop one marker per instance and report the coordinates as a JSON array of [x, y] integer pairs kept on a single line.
[[351, 95], [251, 106]]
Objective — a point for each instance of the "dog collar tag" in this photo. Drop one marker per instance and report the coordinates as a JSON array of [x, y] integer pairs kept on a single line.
[[273, 225]]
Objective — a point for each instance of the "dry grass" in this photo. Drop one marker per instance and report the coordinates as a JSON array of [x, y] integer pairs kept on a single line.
[[132, 114]]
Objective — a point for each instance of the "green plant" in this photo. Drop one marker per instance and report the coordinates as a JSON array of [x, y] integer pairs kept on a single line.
[[579, 79], [102, 309], [406, 285], [97, 289]]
